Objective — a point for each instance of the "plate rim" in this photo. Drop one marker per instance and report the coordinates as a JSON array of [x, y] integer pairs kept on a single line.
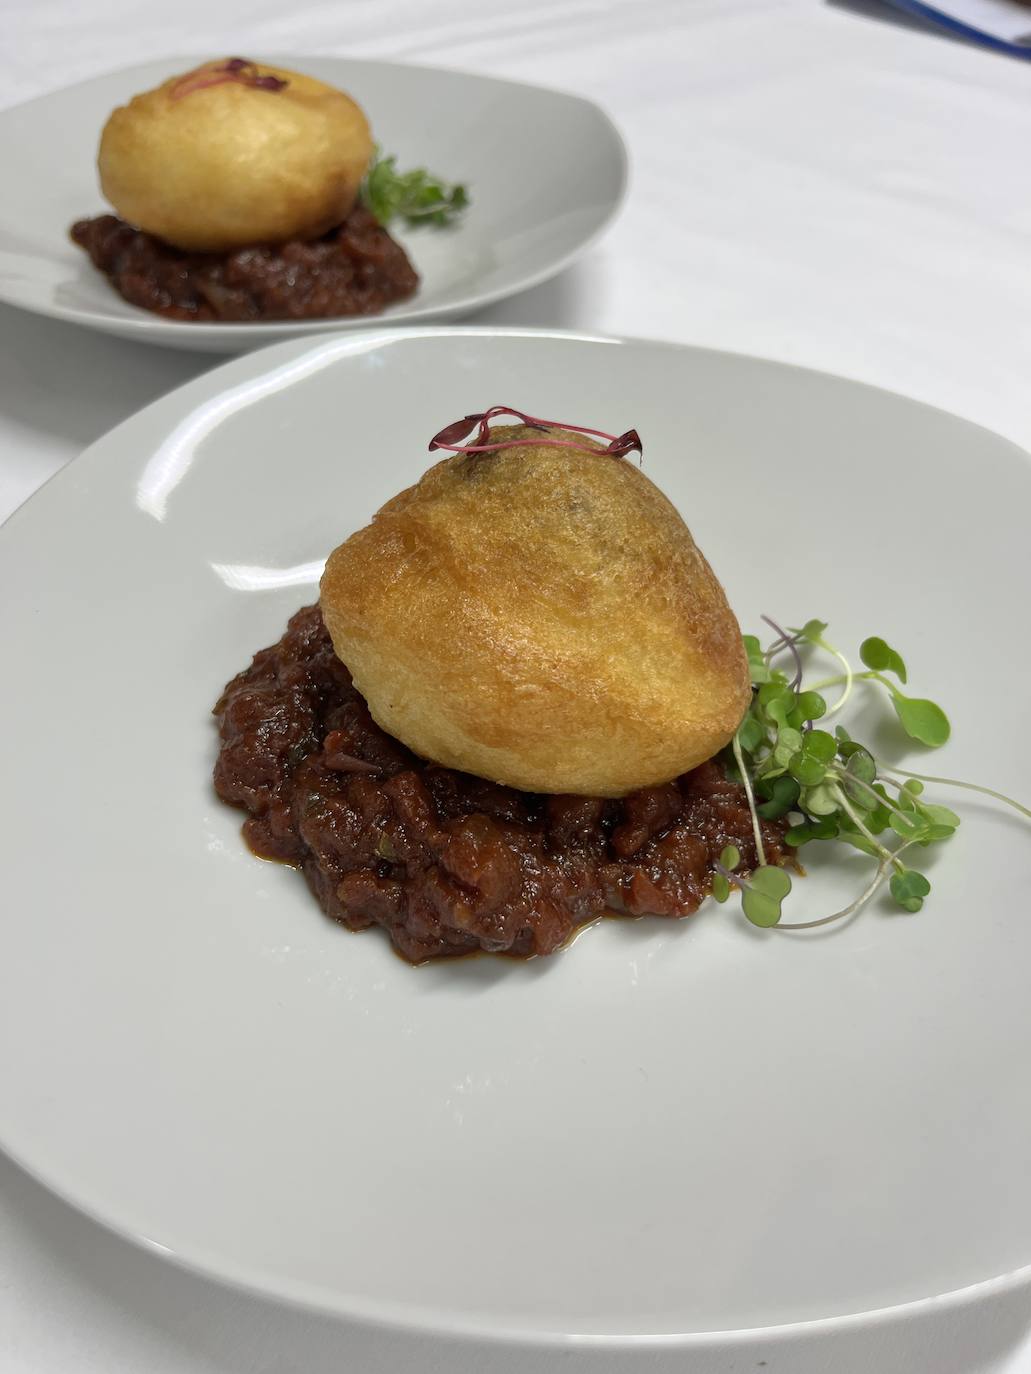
[[411, 1320], [407, 1318], [152, 328], [373, 334]]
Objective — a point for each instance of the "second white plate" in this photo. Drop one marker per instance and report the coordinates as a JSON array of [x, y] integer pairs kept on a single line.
[[546, 172]]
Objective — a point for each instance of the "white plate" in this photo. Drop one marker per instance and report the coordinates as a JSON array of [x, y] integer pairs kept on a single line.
[[546, 173], [669, 1129]]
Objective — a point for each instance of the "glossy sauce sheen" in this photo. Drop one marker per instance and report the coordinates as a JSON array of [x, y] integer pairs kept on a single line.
[[445, 862], [355, 269]]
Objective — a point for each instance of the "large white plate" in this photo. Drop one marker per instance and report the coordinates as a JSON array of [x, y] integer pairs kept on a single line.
[[546, 172], [669, 1129]]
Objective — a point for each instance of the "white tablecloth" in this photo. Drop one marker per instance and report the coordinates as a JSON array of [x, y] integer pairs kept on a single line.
[[811, 181]]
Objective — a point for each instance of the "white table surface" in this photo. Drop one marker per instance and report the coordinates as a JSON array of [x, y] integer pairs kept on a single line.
[[811, 181]]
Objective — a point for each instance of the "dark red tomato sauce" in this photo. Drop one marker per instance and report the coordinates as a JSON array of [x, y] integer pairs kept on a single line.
[[445, 862], [355, 269]]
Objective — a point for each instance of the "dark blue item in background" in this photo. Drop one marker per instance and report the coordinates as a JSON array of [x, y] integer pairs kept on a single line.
[[950, 19]]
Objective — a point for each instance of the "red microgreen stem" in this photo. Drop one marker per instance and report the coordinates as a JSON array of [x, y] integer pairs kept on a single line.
[[451, 436], [737, 879], [786, 641], [236, 69]]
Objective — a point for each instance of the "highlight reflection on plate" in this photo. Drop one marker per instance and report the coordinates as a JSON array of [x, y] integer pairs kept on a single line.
[[672, 1128]]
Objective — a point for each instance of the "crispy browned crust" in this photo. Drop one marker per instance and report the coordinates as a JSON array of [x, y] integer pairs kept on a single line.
[[230, 165], [541, 617]]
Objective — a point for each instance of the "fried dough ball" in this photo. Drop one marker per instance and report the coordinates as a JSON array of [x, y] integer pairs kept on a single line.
[[539, 616], [235, 153]]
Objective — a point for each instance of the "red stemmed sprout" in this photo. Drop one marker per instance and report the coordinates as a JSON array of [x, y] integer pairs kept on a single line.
[[238, 69], [451, 436]]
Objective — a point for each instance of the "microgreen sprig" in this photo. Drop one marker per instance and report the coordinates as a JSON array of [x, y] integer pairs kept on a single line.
[[453, 437], [417, 197], [236, 70], [828, 785]]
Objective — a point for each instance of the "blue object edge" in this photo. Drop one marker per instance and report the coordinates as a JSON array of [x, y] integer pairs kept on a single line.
[[946, 21]]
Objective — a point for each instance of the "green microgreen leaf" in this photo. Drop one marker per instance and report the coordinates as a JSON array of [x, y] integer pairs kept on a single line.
[[720, 887], [860, 764], [935, 833], [812, 631], [821, 800], [761, 900], [907, 825], [776, 699], [789, 742], [849, 835], [922, 720], [417, 197], [805, 769], [939, 815], [909, 889], [750, 734], [860, 795], [880, 656], [757, 665], [878, 819], [818, 744], [811, 705], [730, 857], [781, 796], [826, 828]]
